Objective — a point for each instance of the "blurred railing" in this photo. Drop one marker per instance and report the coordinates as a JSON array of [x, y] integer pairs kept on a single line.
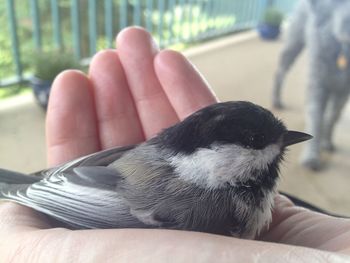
[[85, 26]]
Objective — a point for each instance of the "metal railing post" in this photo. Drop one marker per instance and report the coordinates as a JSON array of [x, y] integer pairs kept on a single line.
[[161, 22], [14, 38], [109, 22], [149, 21], [137, 13], [36, 24], [123, 14], [56, 24], [75, 16], [92, 26]]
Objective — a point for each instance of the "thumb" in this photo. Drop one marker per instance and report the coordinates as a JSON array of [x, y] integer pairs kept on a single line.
[[299, 226]]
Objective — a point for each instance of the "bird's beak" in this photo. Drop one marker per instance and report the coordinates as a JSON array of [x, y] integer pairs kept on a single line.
[[293, 137]]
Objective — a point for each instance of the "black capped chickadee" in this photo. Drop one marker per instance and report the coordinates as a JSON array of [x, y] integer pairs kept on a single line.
[[216, 172]]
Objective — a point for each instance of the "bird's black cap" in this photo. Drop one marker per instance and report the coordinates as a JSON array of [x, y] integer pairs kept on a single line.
[[236, 122]]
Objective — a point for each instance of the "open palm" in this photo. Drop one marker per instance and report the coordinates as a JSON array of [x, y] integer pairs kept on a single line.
[[129, 95]]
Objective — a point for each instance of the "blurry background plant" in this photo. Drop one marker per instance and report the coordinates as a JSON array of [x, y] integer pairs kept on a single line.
[[269, 27], [45, 67], [26, 28], [272, 16]]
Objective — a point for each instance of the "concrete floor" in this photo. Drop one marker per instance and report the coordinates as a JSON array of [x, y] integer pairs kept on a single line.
[[238, 68]]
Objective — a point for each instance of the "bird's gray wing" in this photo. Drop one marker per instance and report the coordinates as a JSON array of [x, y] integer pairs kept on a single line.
[[81, 197], [11, 177], [101, 158]]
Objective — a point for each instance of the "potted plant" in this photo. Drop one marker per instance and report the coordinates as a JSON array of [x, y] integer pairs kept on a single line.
[[46, 66], [269, 27]]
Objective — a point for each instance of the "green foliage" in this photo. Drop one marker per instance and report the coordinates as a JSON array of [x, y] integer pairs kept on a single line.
[[25, 27], [47, 65], [181, 23], [6, 92], [6, 60], [272, 16]]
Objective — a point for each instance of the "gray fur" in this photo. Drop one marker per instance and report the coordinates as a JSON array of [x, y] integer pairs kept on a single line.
[[323, 28]]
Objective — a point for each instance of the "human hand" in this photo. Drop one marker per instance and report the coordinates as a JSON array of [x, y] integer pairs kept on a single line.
[[129, 95]]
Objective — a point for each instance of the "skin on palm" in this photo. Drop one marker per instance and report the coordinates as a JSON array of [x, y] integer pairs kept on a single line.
[[178, 90], [29, 240]]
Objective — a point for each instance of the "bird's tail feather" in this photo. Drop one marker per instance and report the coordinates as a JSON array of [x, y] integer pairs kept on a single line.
[[10, 177]]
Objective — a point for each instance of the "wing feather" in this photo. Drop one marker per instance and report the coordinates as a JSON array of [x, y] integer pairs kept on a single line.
[[81, 193], [101, 158]]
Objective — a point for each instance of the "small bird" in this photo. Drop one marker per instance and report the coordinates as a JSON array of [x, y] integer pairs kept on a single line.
[[216, 172]]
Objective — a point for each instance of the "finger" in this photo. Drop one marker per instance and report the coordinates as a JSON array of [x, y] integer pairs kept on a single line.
[[136, 50], [71, 129], [185, 88], [117, 117], [295, 225]]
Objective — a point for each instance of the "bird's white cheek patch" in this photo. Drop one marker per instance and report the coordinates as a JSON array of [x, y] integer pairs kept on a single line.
[[221, 164]]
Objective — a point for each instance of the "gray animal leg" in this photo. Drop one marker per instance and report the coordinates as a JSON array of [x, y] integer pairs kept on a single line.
[[288, 56], [316, 104], [332, 114], [293, 46]]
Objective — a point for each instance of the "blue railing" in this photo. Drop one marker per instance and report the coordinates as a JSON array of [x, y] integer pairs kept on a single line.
[[85, 26]]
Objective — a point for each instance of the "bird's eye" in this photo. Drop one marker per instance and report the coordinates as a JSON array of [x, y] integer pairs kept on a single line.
[[256, 141]]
